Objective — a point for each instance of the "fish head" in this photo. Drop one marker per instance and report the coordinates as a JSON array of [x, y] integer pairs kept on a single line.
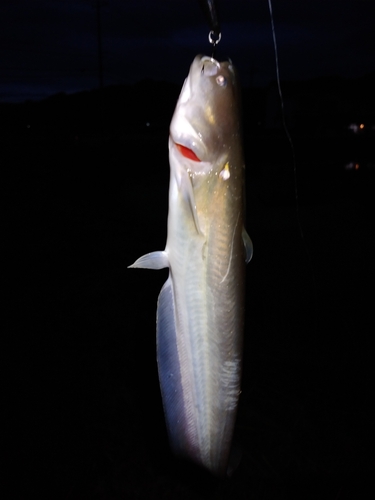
[[206, 121]]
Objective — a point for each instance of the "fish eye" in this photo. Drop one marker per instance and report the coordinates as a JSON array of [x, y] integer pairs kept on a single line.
[[221, 80]]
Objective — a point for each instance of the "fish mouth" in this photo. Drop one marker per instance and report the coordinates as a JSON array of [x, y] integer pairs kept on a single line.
[[207, 66], [210, 66]]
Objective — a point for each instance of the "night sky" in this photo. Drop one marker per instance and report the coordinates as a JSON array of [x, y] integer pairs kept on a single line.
[[52, 46]]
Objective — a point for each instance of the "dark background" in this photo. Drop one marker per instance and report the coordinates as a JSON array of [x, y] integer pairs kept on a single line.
[[71, 45], [85, 186]]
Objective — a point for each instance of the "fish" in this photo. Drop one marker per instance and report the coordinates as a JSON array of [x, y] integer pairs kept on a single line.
[[200, 310]]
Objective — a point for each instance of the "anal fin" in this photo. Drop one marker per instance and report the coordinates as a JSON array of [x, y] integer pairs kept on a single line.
[[170, 370]]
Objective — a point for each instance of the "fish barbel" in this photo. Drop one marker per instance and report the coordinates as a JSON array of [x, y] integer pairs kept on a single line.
[[200, 310]]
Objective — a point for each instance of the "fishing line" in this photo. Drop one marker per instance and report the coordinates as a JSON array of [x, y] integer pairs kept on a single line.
[[209, 8], [285, 127], [286, 130]]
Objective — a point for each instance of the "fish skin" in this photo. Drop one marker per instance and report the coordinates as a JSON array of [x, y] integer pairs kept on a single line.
[[200, 312]]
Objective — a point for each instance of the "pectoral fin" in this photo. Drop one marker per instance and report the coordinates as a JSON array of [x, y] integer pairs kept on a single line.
[[248, 245], [186, 189], [153, 260]]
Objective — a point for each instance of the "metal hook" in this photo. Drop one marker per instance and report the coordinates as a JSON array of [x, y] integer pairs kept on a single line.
[[214, 39], [210, 9]]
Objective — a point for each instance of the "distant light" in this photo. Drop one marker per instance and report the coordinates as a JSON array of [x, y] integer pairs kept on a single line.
[[353, 127], [28, 126], [352, 165], [362, 126], [148, 124]]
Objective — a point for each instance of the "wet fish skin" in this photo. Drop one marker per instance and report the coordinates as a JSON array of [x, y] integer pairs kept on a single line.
[[201, 306]]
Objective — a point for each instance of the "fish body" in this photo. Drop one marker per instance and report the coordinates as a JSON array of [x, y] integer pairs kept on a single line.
[[200, 310]]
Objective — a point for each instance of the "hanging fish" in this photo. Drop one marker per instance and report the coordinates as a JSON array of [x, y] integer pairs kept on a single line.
[[200, 310]]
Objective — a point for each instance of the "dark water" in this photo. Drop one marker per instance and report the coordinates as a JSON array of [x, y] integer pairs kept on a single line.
[[83, 404]]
